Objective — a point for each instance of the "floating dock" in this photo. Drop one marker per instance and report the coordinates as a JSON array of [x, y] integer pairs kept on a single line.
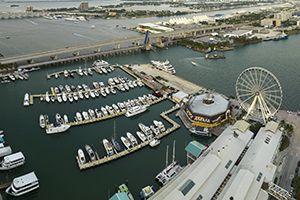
[[132, 149]]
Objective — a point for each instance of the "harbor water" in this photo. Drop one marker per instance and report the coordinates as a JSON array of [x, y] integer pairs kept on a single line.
[[52, 157]]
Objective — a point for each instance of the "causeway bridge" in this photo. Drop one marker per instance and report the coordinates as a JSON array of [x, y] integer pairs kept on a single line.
[[69, 53]]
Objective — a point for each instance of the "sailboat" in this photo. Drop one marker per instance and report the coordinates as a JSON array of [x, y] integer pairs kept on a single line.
[[167, 174], [114, 141]]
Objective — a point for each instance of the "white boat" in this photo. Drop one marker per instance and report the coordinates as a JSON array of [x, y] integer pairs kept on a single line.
[[107, 90], [59, 99], [141, 136], [194, 63], [89, 71], [70, 98], [42, 121], [147, 192], [103, 92], [66, 120], [121, 106], [57, 128], [92, 26], [104, 111], [159, 125], [80, 95], [78, 116], [96, 93], [116, 108], [12, 161], [165, 66], [98, 113], [92, 114], [85, 115], [52, 98], [86, 95], [116, 80], [146, 130], [79, 71], [101, 84], [126, 86], [109, 109], [112, 90], [23, 184], [64, 97], [58, 118], [66, 74], [126, 142], [47, 97], [108, 147], [12, 77], [75, 96], [167, 174], [155, 130], [154, 142], [26, 100], [111, 82], [68, 89], [136, 110], [90, 153], [81, 156], [132, 139], [96, 85]]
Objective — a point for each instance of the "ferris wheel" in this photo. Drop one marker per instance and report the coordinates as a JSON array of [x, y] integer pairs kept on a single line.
[[259, 93]]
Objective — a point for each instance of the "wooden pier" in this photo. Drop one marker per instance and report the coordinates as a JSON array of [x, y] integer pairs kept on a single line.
[[5, 185], [132, 149]]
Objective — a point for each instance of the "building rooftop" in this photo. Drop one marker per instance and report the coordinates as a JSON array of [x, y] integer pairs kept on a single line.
[[120, 196], [198, 107], [203, 178], [180, 95], [195, 148]]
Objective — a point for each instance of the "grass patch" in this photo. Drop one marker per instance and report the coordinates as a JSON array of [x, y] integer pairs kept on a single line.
[[284, 143]]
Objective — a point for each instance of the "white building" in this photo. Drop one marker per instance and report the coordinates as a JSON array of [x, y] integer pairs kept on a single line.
[[239, 33], [283, 16]]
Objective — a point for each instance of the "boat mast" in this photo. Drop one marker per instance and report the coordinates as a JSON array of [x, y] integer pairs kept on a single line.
[[114, 129], [167, 156], [173, 152]]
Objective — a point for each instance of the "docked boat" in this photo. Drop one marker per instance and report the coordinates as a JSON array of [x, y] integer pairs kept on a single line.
[[98, 113], [64, 97], [12, 161], [126, 142], [155, 130], [108, 147], [66, 120], [126, 86], [121, 106], [141, 136], [78, 117], [79, 71], [109, 109], [52, 98], [107, 90], [56, 90], [90, 153], [165, 66], [92, 114], [70, 98], [92, 94], [201, 131], [159, 125], [103, 92], [59, 99], [11, 77], [96, 93], [116, 108], [194, 63], [124, 188], [68, 88], [112, 90], [75, 96], [47, 97], [71, 73], [167, 174], [116, 80], [215, 56], [86, 95], [89, 71], [85, 115], [80, 95], [57, 128], [147, 192], [23, 184], [58, 118], [154, 142], [101, 84], [61, 88], [96, 85], [146, 130], [26, 100], [131, 138], [42, 121], [111, 82], [104, 111], [114, 141], [136, 110], [81, 156], [66, 74]]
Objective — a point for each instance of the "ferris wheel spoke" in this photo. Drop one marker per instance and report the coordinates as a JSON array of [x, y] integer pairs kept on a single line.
[[246, 94], [248, 98], [245, 90], [266, 84], [256, 78], [273, 91], [273, 101], [253, 79], [272, 96], [249, 80], [244, 81], [270, 105], [269, 87], [263, 82]]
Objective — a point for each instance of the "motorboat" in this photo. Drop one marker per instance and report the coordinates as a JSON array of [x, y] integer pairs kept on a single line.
[[146, 130], [64, 97], [136, 110], [111, 82], [79, 88], [92, 94], [86, 95], [121, 106], [80, 95], [58, 118], [104, 111], [12, 161], [57, 128], [26, 99], [61, 88], [81, 156], [126, 142], [116, 108], [126, 86], [42, 121], [103, 92], [70, 98], [56, 90], [98, 113], [79, 71], [89, 71], [134, 84], [141, 136], [132, 139], [96, 93], [194, 63], [66, 120], [130, 85], [147, 192], [71, 73], [92, 114], [159, 125], [154, 130], [90, 153], [85, 115], [23, 184], [101, 84], [47, 97], [68, 89], [112, 90], [66, 74], [164, 66], [59, 99], [85, 72], [85, 87], [200, 131], [116, 144], [52, 98], [108, 147], [116, 80], [167, 174], [78, 117], [96, 85], [109, 109], [107, 90], [154, 142], [124, 188], [75, 96]]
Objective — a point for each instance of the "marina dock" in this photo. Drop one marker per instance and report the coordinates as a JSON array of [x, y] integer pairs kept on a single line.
[[133, 149]]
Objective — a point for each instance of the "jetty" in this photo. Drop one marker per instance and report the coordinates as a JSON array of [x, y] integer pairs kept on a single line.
[[5, 185], [132, 149]]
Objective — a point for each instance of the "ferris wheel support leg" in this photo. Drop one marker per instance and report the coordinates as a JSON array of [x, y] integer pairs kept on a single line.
[[251, 107]]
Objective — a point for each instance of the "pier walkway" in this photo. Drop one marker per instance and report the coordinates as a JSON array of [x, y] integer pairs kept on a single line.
[[135, 148]]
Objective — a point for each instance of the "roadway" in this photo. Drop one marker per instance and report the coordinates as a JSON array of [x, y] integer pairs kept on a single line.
[[99, 44]]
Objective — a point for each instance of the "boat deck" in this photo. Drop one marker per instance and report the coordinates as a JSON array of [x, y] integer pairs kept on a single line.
[[135, 148]]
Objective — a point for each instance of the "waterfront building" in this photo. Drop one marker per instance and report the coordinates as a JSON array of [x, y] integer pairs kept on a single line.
[[29, 9], [205, 110], [237, 165], [270, 22], [238, 33], [283, 16], [179, 96], [154, 28], [84, 6], [194, 149]]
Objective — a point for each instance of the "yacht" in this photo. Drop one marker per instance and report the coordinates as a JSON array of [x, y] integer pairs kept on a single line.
[[75, 96], [81, 156], [47, 97], [141, 136], [79, 72], [59, 99], [70, 98], [167, 174], [26, 100], [116, 108], [98, 113], [66, 120], [105, 113], [85, 115], [121, 106], [159, 125], [136, 110], [154, 142], [56, 90], [12, 161], [68, 89], [42, 121], [165, 66], [132, 139], [90, 153], [78, 117], [126, 142], [155, 130], [58, 118], [92, 114], [57, 128], [66, 74], [64, 97], [23, 184], [108, 147], [112, 90], [80, 95], [146, 130]]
